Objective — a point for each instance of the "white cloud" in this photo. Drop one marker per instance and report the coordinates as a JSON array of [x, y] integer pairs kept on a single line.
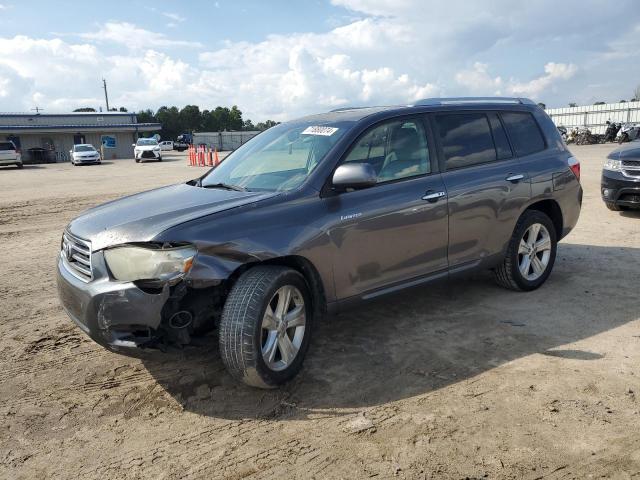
[[174, 16], [388, 52], [478, 79], [553, 73], [131, 36]]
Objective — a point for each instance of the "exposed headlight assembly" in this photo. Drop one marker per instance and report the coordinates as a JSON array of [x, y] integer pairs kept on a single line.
[[132, 263], [612, 165]]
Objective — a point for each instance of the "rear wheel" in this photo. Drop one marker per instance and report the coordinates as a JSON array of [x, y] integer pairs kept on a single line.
[[19, 165], [266, 326], [531, 253]]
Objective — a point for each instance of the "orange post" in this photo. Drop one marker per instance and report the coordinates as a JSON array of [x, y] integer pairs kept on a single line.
[[209, 157], [215, 157]]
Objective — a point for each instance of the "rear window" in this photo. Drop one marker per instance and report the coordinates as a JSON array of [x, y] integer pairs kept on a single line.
[[466, 139], [524, 132], [6, 146]]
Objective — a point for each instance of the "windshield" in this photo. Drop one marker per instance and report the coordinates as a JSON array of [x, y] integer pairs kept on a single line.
[[278, 159], [146, 141], [84, 148]]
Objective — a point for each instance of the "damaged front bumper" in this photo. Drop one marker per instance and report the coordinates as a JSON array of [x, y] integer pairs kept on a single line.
[[117, 315]]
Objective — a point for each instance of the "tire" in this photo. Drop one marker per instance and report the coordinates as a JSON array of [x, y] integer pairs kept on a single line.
[[19, 165], [243, 335], [509, 274], [137, 160]]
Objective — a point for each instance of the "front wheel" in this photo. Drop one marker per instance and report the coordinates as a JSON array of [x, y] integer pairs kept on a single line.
[[266, 326], [531, 253]]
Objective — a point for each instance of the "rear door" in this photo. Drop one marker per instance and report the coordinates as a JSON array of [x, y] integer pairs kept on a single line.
[[397, 229], [486, 184]]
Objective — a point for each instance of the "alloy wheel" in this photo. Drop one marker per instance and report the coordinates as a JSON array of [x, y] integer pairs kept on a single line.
[[534, 252], [283, 327]]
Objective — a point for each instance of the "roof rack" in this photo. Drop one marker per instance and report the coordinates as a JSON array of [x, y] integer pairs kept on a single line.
[[463, 100], [344, 109]]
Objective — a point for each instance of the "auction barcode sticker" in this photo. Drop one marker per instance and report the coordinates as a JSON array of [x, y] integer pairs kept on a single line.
[[325, 131]]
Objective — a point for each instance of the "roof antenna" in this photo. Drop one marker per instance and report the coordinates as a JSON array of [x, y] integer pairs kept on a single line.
[[37, 109]]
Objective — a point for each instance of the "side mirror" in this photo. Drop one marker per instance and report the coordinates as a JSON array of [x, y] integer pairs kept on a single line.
[[354, 175], [133, 145]]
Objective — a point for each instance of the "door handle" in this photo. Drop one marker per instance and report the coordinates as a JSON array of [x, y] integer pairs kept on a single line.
[[515, 178], [433, 196]]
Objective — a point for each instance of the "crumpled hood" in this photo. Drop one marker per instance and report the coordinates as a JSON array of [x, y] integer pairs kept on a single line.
[[141, 217]]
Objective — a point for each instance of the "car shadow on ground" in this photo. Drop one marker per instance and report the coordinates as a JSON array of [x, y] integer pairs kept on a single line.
[[631, 213], [24, 167], [419, 341]]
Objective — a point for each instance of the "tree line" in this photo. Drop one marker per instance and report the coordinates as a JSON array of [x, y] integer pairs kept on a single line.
[[191, 119]]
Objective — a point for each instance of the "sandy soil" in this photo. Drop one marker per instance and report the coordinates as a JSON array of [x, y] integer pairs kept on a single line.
[[458, 380]]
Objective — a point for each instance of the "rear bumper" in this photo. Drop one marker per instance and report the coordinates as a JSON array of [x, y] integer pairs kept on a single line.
[[117, 315], [619, 189]]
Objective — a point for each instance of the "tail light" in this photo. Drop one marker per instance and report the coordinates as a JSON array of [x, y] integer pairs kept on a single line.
[[574, 165]]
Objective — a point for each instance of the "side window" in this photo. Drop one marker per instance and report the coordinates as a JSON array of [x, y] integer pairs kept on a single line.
[[524, 132], [500, 137], [396, 149], [466, 139]]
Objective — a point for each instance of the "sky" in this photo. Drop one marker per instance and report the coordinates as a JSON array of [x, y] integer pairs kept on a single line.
[[281, 59]]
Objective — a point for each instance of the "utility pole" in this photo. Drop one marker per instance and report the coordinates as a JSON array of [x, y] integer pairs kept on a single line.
[[106, 97]]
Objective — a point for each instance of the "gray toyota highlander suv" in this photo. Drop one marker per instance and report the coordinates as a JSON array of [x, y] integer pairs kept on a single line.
[[317, 214]]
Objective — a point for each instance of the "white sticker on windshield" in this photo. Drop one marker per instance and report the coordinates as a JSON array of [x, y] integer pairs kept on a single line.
[[325, 131]]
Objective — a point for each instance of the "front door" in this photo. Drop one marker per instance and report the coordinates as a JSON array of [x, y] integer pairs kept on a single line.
[[397, 230]]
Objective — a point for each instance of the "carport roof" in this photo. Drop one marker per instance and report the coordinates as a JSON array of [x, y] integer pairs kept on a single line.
[[126, 127]]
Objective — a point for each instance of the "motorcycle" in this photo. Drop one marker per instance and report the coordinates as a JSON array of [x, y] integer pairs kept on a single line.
[[629, 132], [612, 131], [585, 137]]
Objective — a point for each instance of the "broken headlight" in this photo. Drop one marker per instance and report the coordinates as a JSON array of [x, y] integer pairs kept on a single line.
[[132, 263]]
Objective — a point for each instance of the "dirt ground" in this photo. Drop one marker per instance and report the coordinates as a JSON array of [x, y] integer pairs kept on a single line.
[[456, 380]]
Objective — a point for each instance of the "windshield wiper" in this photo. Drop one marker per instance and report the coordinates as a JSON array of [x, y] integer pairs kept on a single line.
[[226, 186]]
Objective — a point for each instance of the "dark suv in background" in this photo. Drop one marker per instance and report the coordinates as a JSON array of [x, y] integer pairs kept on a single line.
[[317, 214], [620, 186]]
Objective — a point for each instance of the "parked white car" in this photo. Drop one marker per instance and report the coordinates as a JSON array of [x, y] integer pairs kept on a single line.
[[84, 153], [146, 149], [166, 145], [10, 155]]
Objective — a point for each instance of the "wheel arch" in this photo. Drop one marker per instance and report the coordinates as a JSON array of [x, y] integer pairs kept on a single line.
[[551, 209], [296, 262]]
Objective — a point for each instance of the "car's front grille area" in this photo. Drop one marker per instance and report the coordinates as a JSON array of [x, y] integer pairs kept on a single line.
[[76, 254], [631, 168], [148, 154]]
